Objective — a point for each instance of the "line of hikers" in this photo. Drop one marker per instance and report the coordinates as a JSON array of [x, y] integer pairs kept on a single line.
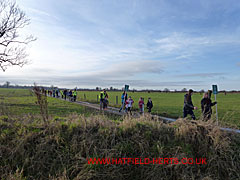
[[127, 104], [64, 94]]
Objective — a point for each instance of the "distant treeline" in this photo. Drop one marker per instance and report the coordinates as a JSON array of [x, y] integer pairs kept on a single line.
[[166, 90]]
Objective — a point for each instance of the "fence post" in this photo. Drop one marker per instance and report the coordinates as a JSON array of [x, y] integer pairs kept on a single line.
[[84, 96], [97, 98], [117, 100]]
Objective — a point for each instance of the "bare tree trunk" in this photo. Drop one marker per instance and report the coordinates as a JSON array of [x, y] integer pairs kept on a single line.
[[12, 46]]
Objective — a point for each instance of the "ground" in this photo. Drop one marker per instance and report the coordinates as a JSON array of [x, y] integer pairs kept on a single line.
[[31, 148], [22, 101], [171, 104]]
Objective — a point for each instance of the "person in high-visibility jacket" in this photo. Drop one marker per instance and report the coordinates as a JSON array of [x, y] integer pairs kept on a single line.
[[74, 95], [103, 95], [61, 91]]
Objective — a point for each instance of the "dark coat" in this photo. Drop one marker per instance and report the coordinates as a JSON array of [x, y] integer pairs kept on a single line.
[[188, 105], [150, 104], [206, 105]]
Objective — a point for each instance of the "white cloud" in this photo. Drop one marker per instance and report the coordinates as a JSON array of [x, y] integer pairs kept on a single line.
[[204, 75], [39, 12], [187, 45], [131, 68]]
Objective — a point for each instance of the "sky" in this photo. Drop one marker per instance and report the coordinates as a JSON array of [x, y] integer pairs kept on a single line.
[[148, 44]]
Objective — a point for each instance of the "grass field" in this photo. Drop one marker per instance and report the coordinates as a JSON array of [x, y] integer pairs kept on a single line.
[[22, 101], [58, 148], [171, 104]]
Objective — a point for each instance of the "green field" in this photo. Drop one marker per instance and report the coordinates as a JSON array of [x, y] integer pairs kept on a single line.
[[22, 101], [171, 104], [59, 148]]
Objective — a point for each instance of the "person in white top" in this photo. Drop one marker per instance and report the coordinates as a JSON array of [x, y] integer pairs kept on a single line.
[[129, 104]]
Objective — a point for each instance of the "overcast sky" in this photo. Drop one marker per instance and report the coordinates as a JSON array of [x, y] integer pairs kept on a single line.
[[143, 43]]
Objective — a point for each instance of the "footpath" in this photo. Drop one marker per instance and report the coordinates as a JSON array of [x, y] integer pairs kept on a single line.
[[113, 110]]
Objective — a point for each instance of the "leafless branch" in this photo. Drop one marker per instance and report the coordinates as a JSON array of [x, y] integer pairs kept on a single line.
[[12, 47]]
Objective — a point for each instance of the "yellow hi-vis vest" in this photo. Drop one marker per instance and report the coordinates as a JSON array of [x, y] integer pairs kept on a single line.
[[75, 93], [101, 94]]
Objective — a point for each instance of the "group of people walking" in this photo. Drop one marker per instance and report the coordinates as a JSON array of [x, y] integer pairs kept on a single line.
[[127, 104], [206, 105], [64, 94]]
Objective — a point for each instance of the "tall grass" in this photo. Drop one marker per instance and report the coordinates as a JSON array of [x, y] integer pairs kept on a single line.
[[42, 103], [32, 150]]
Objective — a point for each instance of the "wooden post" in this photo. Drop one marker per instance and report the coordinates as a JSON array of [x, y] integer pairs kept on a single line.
[[216, 108], [84, 96], [215, 92], [117, 100]]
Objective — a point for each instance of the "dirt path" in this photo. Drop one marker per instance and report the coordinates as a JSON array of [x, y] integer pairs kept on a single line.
[[115, 111]]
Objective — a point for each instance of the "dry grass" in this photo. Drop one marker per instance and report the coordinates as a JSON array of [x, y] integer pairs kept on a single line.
[[32, 150], [42, 102]]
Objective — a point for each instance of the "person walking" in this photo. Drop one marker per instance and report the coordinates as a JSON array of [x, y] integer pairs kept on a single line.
[[61, 92], [206, 105], [75, 95], [105, 103], [54, 91], [149, 105], [57, 92], [124, 97], [70, 95], [102, 96], [65, 94], [188, 105], [141, 105], [129, 105]]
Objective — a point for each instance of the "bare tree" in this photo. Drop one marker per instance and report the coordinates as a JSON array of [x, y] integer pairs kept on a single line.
[[202, 91], [166, 90], [12, 46], [184, 90], [7, 84]]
